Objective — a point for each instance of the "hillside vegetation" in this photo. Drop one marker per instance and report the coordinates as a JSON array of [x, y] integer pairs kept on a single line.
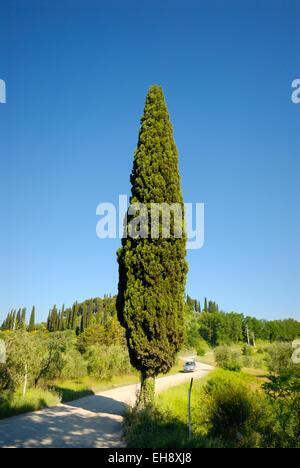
[[82, 349]]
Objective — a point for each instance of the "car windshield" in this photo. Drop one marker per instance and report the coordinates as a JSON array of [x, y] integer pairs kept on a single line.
[[189, 363]]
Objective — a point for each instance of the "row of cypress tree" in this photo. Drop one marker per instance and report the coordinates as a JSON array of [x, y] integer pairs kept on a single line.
[[16, 320], [82, 315], [78, 317]]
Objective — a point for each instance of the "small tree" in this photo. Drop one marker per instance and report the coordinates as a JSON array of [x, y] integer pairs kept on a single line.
[[21, 357]]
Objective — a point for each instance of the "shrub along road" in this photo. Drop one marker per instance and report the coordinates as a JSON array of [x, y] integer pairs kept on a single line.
[[93, 421]]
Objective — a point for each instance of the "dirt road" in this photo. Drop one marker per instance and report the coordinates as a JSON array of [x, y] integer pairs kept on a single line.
[[93, 421]]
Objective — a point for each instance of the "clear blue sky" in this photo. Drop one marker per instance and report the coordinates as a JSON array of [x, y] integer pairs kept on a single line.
[[77, 72]]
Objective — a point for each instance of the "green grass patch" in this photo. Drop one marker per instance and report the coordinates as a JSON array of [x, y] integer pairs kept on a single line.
[[257, 359], [34, 399], [74, 389], [165, 425]]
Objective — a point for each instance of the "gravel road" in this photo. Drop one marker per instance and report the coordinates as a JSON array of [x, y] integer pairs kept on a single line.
[[93, 421]]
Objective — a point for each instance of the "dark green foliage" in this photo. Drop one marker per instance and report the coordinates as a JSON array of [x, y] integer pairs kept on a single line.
[[53, 320], [82, 315], [217, 327], [283, 427], [231, 411], [109, 334], [246, 350], [152, 271], [200, 351], [6, 384]]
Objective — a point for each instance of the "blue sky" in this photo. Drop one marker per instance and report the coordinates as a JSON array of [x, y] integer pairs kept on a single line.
[[77, 73]]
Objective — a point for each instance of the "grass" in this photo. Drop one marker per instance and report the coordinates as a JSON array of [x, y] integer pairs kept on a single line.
[[73, 389], [208, 358], [257, 358], [175, 399], [165, 425], [34, 399]]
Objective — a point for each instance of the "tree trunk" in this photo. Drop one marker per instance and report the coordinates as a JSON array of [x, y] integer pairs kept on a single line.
[[25, 380], [248, 339], [146, 395]]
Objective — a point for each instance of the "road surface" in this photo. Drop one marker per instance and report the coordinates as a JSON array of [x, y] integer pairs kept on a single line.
[[93, 421]]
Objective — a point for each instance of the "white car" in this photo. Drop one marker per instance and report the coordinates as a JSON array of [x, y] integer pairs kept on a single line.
[[189, 366]]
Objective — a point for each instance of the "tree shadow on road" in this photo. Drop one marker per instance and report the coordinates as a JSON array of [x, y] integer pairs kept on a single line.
[[94, 421]]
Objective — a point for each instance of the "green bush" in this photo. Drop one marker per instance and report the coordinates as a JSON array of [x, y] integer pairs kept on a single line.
[[200, 351], [233, 366], [222, 356], [105, 362], [74, 365], [279, 358], [35, 399], [282, 429], [227, 359], [6, 384], [231, 411], [246, 350]]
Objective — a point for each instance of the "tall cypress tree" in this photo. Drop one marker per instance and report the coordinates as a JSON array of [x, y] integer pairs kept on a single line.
[[18, 320], [12, 324], [23, 318], [74, 315], [32, 320], [62, 323], [152, 271]]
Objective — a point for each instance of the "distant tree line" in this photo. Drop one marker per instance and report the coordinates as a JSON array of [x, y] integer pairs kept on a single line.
[[218, 327], [207, 323], [82, 315], [16, 320], [79, 317]]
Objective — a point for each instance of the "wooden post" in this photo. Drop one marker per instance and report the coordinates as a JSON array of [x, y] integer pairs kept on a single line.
[[190, 422]]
